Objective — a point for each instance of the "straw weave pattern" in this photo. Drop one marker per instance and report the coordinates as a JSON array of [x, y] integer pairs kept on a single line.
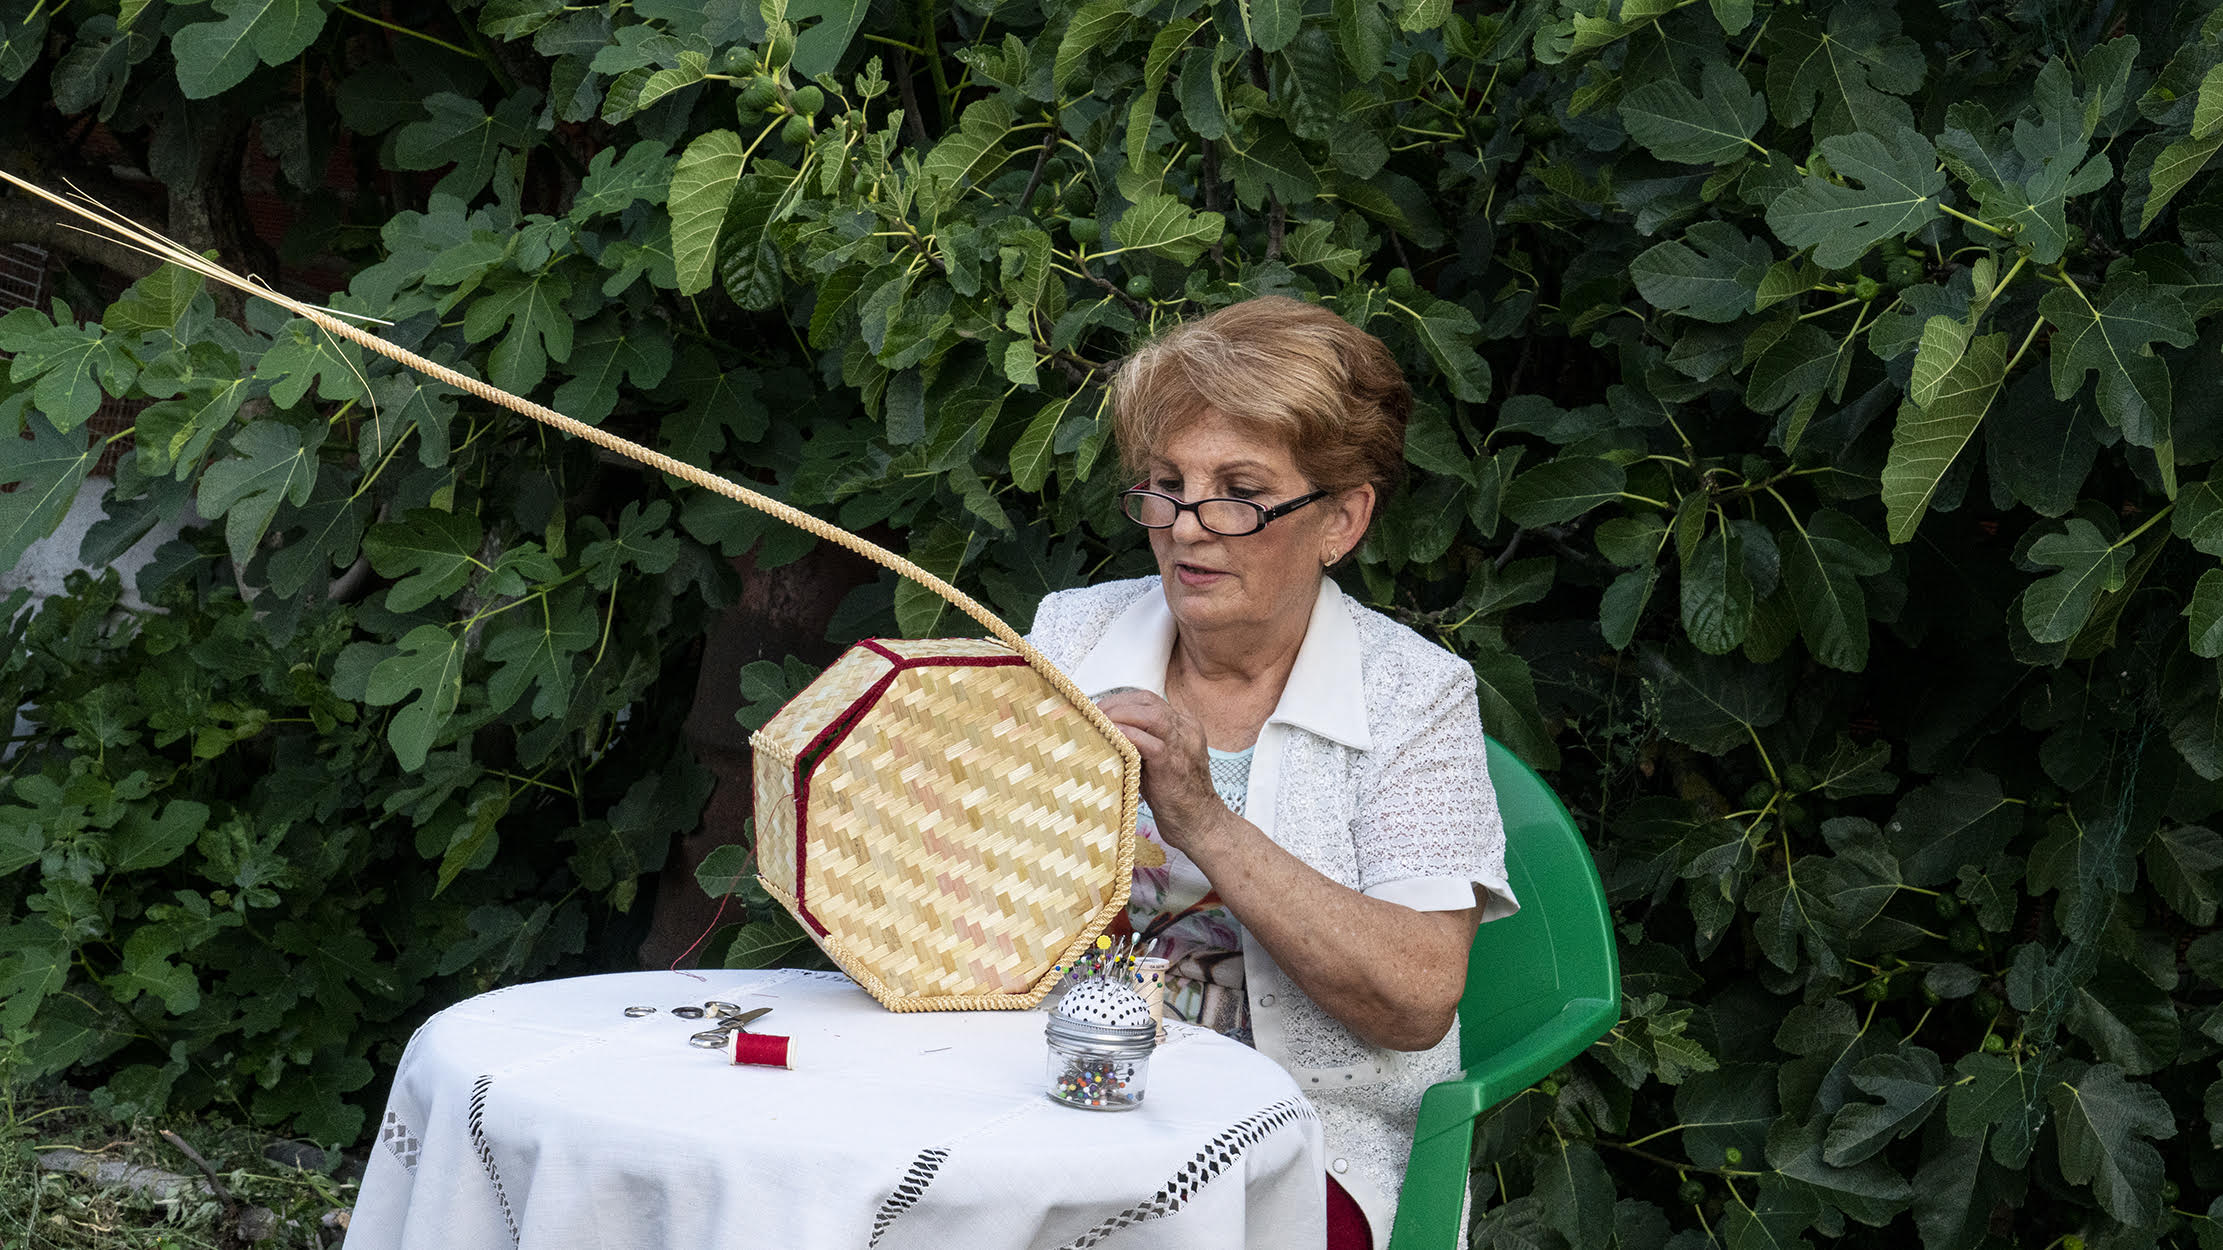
[[963, 835]]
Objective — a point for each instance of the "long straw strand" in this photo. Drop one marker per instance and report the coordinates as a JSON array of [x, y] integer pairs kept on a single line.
[[155, 245]]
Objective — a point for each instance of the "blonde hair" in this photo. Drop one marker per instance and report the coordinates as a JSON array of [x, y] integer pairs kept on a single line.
[[1279, 368]]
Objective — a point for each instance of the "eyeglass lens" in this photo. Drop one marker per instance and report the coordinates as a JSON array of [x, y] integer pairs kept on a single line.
[[1221, 516]]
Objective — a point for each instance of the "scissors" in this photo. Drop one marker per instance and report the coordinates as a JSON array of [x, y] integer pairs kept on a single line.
[[728, 1024]]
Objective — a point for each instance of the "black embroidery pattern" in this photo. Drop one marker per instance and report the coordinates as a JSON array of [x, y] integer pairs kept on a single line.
[[1217, 1156], [398, 1139], [908, 1192], [479, 1090], [920, 1174]]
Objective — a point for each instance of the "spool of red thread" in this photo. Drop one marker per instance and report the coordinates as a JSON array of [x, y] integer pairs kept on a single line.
[[763, 1050]]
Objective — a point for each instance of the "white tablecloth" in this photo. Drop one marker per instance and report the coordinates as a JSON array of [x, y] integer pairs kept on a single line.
[[541, 1117]]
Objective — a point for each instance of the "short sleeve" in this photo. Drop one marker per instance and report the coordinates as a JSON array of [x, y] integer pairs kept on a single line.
[[1428, 830], [1048, 630]]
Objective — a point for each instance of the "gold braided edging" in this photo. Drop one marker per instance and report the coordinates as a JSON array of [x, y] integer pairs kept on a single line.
[[162, 249]]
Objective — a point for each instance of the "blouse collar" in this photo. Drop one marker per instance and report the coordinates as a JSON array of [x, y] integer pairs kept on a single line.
[[1325, 693]]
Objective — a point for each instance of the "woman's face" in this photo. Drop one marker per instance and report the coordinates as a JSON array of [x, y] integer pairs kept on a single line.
[[1214, 582]]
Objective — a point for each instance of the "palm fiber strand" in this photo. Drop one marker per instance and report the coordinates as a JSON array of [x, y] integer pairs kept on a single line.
[[948, 825]]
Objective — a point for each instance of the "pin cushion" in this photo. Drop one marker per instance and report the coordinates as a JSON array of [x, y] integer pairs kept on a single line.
[[1100, 1037]]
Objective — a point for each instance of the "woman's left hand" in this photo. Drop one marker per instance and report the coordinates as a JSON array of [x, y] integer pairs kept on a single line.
[[1176, 769]]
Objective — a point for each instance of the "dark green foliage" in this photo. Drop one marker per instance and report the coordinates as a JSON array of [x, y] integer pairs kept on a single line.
[[1815, 457]]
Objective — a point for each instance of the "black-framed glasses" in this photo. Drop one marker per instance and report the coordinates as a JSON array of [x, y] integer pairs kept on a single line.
[[1229, 518]]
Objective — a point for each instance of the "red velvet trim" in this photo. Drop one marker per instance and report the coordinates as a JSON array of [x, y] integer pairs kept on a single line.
[[806, 763], [819, 747], [951, 661]]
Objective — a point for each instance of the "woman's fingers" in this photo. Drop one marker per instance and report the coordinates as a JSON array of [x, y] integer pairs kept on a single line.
[[1153, 715], [1138, 707], [1146, 742], [1176, 777], [1132, 714], [1153, 720]]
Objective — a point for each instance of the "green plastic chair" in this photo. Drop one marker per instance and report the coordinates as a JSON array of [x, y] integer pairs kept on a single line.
[[1542, 984]]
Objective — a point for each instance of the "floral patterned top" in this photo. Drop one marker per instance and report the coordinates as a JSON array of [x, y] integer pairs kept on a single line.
[[1199, 938]]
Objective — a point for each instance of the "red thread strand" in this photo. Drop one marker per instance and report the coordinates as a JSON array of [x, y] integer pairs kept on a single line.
[[709, 929]]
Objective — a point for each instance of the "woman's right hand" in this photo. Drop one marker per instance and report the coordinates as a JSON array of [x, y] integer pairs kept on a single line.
[[1176, 768]]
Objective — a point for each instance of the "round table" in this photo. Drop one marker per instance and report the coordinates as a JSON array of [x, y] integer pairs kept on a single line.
[[541, 1116]]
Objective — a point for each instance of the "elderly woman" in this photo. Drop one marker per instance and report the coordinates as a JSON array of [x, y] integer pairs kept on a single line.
[[1314, 771]]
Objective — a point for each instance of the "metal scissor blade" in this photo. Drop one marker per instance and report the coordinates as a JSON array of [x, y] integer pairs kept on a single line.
[[742, 1021]]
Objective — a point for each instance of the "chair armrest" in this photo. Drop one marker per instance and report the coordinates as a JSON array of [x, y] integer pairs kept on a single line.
[[1436, 1171], [1450, 1104]]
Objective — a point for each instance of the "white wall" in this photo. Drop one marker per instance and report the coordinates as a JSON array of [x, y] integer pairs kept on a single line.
[[46, 562]]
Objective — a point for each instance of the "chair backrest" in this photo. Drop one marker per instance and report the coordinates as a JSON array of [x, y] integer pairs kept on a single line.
[[1524, 969]]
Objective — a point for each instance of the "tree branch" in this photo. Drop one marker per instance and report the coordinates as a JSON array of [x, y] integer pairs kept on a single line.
[[1074, 360], [930, 45], [1041, 163], [215, 1182], [909, 93], [1277, 217], [22, 221], [918, 244], [1520, 365], [1209, 174], [1135, 306], [44, 154], [1073, 373]]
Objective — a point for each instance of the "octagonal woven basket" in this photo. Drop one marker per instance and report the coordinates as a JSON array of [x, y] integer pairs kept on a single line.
[[943, 822], [948, 820]]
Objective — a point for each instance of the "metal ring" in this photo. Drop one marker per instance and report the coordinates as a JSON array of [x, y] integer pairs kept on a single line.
[[723, 1009], [712, 1039], [637, 1012], [688, 1013]]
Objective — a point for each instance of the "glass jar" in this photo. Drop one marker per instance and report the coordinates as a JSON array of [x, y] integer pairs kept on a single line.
[[1099, 1067]]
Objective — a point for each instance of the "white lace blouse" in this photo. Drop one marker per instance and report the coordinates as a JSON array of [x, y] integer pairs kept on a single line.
[[1372, 769]]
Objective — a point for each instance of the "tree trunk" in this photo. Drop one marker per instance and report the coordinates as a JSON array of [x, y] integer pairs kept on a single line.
[[782, 612]]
